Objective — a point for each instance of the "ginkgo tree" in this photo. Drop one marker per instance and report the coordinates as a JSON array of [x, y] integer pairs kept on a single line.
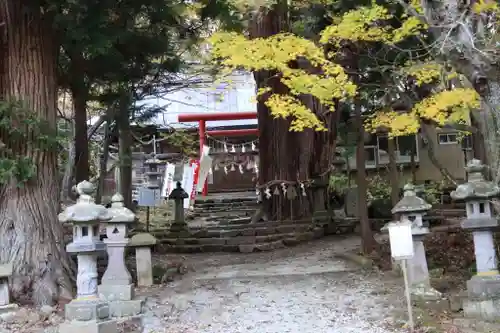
[[369, 55], [332, 83]]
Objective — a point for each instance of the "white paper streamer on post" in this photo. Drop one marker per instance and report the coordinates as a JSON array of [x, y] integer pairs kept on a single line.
[[168, 180], [205, 166], [187, 181]]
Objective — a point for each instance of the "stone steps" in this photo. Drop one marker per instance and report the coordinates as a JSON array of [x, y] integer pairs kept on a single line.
[[246, 237], [244, 244], [224, 209], [236, 220], [245, 210], [225, 201], [215, 205]]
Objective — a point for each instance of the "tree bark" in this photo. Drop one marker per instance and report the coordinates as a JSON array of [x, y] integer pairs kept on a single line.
[[103, 163], [79, 93], [367, 240], [125, 149], [393, 171], [432, 156], [30, 233], [67, 180]]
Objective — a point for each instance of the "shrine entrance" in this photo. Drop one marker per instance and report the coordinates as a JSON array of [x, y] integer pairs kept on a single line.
[[202, 118]]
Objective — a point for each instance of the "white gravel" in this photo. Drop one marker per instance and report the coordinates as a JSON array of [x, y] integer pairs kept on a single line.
[[305, 289], [310, 293]]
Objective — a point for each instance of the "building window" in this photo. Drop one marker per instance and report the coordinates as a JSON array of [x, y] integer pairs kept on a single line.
[[467, 142], [405, 146], [447, 138]]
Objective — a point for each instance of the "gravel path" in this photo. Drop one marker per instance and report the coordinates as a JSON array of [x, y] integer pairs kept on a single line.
[[307, 290], [304, 289]]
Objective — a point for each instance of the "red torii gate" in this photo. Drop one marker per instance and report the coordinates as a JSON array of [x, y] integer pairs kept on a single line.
[[202, 118]]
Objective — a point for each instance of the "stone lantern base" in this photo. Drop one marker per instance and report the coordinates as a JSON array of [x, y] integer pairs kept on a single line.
[[108, 326], [125, 308], [120, 300], [483, 299], [88, 316]]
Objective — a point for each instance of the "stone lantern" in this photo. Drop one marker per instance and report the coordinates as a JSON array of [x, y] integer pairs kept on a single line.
[[412, 208], [86, 313], [153, 175], [178, 195], [116, 286], [483, 289]]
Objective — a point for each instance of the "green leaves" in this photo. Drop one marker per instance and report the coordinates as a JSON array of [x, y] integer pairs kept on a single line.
[[18, 124]]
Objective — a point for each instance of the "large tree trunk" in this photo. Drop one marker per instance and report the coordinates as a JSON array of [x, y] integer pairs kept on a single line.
[[393, 171], [125, 150], [30, 234], [103, 163], [279, 149], [66, 194], [79, 92], [290, 156], [367, 240]]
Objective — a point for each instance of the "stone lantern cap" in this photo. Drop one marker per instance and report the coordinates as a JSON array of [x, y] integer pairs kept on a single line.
[[85, 210], [118, 211], [477, 187], [142, 240], [410, 203], [178, 193]]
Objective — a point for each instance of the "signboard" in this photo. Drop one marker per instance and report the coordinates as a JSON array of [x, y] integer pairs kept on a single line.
[[401, 240], [149, 197]]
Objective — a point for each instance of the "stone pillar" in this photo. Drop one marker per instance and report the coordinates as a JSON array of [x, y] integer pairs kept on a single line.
[[143, 243], [483, 289], [178, 195], [412, 208], [86, 313], [5, 273], [116, 286]]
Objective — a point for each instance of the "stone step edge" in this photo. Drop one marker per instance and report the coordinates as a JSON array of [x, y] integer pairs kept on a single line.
[[222, 233], [246, 248], [224, 201], [237, 240], [240, 227]]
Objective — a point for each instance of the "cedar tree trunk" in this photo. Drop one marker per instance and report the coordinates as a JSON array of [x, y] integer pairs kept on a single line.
[[30, 234]]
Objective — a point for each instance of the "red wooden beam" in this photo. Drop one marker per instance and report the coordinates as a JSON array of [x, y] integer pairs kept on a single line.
[[190, 117], [239, 132]]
